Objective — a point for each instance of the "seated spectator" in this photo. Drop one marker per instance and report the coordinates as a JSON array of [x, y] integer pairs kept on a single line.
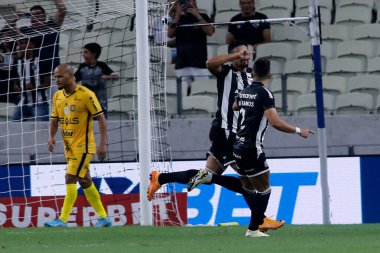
[[252, 34], [7, 73], [93, 74], [31, 83], [47, 43], [191, 42]]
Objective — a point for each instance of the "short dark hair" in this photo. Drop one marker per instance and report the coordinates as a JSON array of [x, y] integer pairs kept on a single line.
[[94, 48], [235, 44], [261, 68], [37, 7]]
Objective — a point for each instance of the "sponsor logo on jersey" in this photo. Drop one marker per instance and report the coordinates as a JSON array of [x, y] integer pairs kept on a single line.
[[69, 121], [68, 133]]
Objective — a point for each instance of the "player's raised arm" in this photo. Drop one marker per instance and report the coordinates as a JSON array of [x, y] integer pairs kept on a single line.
[[281, 125], [102, 148], [214, 64]]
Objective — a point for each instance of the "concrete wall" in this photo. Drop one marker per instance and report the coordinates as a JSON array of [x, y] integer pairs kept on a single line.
[[346, 135]]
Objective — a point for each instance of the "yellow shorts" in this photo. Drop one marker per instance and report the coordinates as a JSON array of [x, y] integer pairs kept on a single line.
[[78, 164]]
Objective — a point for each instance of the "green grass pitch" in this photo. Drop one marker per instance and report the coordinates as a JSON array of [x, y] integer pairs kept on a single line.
[[291, 238]]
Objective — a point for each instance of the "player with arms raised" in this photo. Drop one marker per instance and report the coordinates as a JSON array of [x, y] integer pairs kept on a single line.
[[256, 108], [230, 79], [75, 106]]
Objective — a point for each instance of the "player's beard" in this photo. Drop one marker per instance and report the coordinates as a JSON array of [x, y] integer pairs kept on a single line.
[[243, 64]]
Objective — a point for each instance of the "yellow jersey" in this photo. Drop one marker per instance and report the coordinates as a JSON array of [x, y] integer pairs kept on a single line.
[[75, 112]]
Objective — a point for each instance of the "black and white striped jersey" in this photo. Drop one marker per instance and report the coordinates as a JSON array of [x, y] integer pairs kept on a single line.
[[29, 71], [229, 81], [252, 123]]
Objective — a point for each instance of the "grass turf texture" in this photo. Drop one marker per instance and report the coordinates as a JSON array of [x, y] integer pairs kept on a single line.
[[291, 238]]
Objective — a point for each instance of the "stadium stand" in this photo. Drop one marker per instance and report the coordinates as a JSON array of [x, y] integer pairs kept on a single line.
[[294, 86], [333, 85], [335, 33], [345, 3], [118, 108], [262, 5], [306, 104], [225, 16], [206, 6], [288, 34], [276, 51], [350, 52], [219, 37], [198, 105], [369, 84], [347, 66], [353, 15], [358, 48], [204, 87], [226, 5], [366, 32], [374, 66], [6, 111], [354, 103], [126, 90], [290, 103], [300, 67]]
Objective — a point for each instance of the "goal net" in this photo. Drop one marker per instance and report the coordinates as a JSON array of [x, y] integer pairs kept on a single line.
[[32, 185]]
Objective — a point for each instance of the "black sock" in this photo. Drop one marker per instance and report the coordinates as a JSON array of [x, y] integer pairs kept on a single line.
[[228, 182], [249, 198], [182, 177], [257, 214]]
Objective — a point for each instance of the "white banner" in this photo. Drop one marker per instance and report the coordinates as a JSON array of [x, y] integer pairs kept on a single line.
[[296, 190]]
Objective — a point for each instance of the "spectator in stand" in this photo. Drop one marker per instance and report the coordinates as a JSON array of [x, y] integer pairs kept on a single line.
[[47, 43], [191, 42], [252, 34], [31, 83], [7, 58], [94, 74]]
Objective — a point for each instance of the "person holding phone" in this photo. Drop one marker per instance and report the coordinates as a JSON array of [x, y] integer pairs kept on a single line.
[[191, 42]]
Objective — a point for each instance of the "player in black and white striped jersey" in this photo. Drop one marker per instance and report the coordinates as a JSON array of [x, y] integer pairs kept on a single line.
[[256, 108], [230, 79]]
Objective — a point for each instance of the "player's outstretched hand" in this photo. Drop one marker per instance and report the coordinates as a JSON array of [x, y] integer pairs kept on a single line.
[[51, 144], [101, 152], [305, 132]]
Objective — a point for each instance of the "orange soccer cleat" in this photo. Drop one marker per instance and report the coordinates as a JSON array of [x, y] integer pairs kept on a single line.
[[154, 184], [270, 224]]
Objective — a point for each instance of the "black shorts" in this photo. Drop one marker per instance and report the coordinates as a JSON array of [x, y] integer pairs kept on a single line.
[[247, 162], [222, 142]]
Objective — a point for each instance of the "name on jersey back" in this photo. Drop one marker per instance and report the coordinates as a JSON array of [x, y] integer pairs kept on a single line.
[[248, 102]]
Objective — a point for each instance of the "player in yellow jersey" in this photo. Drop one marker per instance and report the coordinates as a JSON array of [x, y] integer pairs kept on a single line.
[[75, 106]]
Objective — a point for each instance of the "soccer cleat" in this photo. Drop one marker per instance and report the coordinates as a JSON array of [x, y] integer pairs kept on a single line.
[[56, 223], [154, 184], [270, 224], [203, 176], [103, 222], [256, 233]]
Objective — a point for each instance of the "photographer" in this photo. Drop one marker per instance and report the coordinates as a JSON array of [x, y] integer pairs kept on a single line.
[[191, 42]]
